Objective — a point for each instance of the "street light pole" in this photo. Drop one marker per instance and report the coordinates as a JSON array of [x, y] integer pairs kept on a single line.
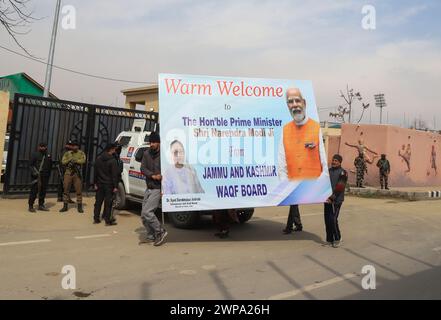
[[50, 59]]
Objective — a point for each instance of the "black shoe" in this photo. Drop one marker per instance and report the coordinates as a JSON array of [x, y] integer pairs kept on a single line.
[[111, 223], [287, 231], [65, 208], [160, 239], [31, 209], [80, 208], [42, 208], [386, 188], [298, 228], [96, 221]]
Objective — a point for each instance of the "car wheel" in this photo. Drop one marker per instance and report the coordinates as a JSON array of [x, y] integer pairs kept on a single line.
[[244, 214], [184, 220]]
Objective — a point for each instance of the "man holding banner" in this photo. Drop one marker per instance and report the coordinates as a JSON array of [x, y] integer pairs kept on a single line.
[[338, 177], [151, 168]]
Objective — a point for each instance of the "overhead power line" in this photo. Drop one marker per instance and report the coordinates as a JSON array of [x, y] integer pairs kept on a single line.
[[76, 72]]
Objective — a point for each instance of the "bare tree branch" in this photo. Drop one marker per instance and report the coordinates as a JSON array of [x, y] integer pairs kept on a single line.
[[349, 99], [13, 17]]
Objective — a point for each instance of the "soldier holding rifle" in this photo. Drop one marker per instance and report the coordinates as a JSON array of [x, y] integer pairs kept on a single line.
[[73, 161], [61, 169], [41, 166]]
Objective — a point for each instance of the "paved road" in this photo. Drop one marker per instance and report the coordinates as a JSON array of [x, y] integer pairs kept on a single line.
[[402, 240]]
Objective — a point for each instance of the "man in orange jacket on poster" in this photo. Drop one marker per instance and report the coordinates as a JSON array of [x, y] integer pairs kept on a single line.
[[301, 153]]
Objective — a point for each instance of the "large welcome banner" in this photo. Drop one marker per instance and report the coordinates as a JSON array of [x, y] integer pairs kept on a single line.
[[239, 143]]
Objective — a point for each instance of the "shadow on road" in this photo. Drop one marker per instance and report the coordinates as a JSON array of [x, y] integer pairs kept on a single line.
[[253, 230], [419, 286]]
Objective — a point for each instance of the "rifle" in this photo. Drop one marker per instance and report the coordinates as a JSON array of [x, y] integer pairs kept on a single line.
[[115, 204], [60, 172], [38, 174], [74, 169]]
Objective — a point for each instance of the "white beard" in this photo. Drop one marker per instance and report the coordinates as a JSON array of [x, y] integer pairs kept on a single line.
[[298, 117]]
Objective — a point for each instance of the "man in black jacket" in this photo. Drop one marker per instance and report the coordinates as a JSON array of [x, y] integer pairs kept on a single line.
[[339, 178], [106, 184], [117, 156], [151, 168], [41, 167]]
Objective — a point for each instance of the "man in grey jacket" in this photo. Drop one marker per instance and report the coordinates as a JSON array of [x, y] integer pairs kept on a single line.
[[151, 168]]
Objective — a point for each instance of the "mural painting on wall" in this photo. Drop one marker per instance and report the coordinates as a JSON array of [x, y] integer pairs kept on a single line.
[[362, 159], [405, 154], [412, 155], [433, 160], [362, 148]]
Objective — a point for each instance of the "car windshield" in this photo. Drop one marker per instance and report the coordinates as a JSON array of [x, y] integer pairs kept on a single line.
[[124, 141]]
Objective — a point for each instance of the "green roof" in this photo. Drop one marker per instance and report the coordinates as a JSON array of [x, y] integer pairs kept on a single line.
[[21, 83]]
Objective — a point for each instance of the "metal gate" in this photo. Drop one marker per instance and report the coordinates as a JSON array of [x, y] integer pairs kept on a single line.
[[36, 119]]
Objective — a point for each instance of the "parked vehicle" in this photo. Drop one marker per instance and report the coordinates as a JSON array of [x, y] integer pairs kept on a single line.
[[5, 158], [132, 186]]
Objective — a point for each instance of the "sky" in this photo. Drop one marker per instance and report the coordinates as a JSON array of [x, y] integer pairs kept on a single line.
[[321, 40]]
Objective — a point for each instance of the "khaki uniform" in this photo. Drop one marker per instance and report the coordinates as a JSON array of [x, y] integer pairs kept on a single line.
[[73, 162]]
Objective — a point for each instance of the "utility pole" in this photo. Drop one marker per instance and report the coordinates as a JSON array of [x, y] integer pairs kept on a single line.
[[380, 102], [50, 59]]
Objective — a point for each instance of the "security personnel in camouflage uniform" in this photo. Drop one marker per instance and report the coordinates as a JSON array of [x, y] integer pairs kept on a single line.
[[384, 167], [61, 169], [73, 161], [361, 168]]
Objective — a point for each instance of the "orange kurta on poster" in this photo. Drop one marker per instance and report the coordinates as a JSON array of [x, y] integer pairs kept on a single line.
[[302, 162]]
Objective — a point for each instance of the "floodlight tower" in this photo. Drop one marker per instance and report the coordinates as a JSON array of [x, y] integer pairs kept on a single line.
[[380, 102]]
